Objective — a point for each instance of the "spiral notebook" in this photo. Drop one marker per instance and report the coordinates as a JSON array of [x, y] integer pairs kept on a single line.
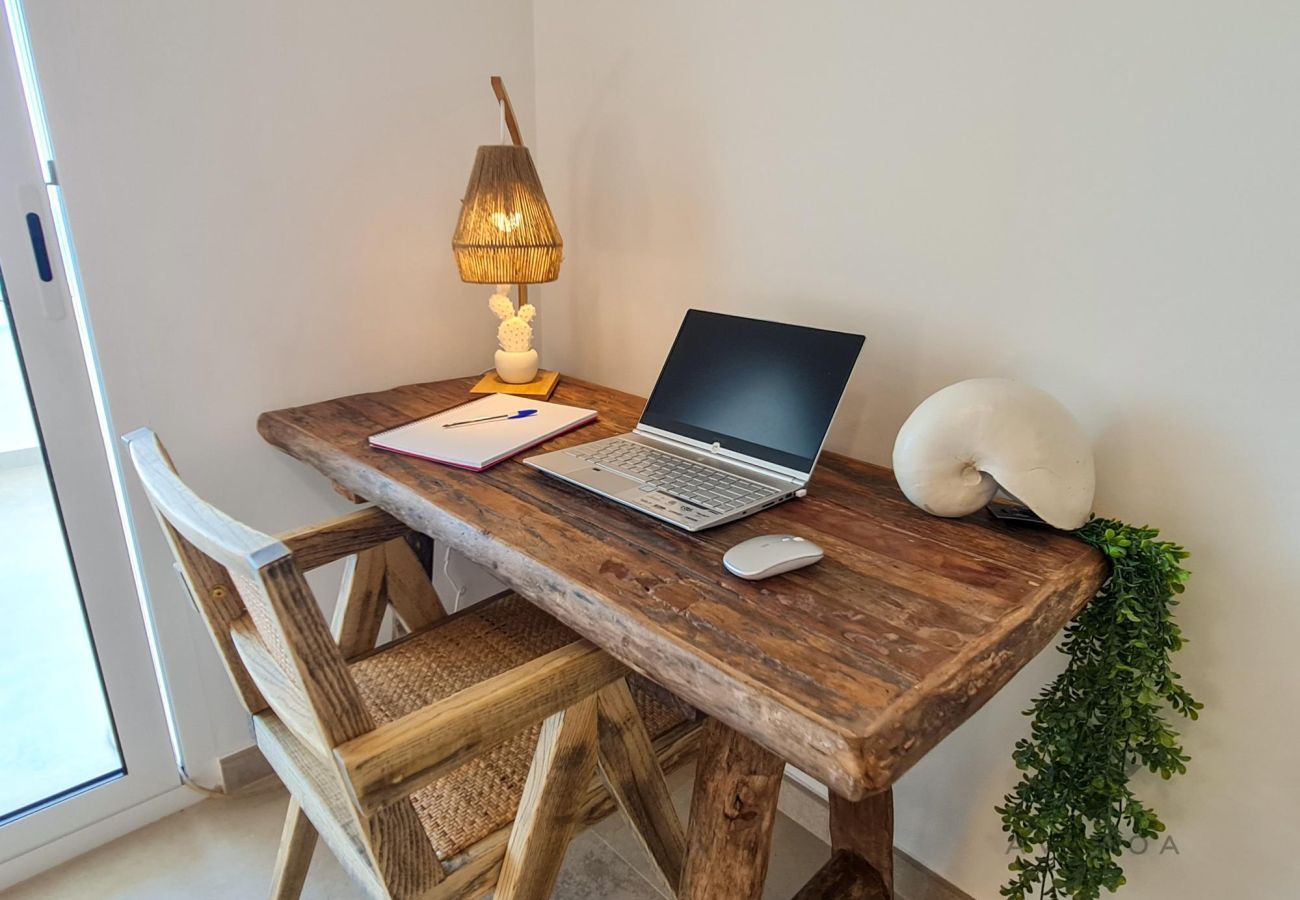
[[484, 444]]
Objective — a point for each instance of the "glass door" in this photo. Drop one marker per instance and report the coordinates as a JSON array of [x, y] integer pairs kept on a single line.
[[59, 736], [84, 737]]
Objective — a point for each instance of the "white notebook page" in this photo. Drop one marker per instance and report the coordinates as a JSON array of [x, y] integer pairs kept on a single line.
[[482, 444]]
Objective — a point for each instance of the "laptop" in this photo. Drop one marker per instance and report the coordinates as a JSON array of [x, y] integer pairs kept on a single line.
[[734, 425]]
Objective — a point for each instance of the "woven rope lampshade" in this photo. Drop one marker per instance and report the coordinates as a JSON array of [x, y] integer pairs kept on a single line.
[[506, 233]]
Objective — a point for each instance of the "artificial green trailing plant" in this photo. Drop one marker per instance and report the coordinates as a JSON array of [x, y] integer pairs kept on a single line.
[[1073, 814]]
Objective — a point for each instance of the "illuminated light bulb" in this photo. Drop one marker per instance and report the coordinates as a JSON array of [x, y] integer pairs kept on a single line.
[[507, 222]]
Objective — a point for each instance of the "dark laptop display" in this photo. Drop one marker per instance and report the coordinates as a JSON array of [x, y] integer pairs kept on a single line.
[[763, 389]]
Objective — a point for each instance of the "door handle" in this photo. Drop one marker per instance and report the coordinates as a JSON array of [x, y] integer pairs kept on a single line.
[[52, 301], [39, 250]]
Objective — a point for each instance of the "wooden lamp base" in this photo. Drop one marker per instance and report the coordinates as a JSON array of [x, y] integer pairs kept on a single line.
[[542, 386]]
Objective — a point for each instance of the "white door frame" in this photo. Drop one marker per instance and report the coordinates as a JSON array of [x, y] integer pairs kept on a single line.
[[49, 331]]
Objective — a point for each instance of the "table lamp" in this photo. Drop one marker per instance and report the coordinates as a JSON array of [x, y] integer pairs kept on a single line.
[[506, 235]]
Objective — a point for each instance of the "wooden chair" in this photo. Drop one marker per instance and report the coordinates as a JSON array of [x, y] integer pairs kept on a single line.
[[455, 761]]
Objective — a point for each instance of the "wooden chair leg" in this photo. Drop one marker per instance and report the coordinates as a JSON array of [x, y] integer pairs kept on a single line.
[[548, 812], [866, 828], [631, 771], [737, 783], [297, 842]]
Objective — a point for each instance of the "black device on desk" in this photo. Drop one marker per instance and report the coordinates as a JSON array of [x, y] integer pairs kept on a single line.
[[735, 423]]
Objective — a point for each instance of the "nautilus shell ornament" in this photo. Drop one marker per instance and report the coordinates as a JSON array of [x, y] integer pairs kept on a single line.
[[965, 441]]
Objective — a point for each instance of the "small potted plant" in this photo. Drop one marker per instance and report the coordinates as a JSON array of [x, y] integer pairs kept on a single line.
[[516, 360]]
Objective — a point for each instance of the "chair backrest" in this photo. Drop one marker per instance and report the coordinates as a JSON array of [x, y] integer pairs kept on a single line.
[[258, 607]]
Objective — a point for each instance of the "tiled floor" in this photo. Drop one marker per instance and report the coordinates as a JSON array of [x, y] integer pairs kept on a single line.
[[224, 848]]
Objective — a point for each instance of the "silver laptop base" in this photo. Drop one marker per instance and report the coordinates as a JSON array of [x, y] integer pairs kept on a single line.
[[672, 482]]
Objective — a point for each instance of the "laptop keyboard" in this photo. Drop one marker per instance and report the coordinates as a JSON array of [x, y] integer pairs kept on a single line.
[[715, 490]]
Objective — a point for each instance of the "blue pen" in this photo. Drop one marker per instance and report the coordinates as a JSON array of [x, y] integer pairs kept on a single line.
[[522, 414]]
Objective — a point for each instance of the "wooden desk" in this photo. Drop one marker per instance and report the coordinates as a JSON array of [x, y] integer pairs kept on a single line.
[[851, 670]]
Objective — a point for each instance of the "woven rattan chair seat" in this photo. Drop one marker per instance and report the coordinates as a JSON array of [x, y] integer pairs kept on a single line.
[[483, 795]]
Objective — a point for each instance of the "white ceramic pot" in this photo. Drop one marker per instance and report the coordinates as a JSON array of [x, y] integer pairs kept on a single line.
[[516, 367]]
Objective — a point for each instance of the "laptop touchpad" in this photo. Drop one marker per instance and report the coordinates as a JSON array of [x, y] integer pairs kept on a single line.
[[603, 480]]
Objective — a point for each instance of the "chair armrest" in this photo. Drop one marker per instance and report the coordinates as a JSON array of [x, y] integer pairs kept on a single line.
[[402, 756], [324, 542]]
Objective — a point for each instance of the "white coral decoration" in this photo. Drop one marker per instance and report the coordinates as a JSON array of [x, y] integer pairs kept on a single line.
[[514, 334]]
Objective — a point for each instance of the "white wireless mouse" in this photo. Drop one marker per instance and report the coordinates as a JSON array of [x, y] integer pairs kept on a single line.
[[771, 554]]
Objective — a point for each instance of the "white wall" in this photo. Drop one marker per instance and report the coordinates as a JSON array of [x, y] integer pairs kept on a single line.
[[1100, 199], [262, 196]]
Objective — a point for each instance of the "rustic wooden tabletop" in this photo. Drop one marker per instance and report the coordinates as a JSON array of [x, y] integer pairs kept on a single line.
[[851, 669]]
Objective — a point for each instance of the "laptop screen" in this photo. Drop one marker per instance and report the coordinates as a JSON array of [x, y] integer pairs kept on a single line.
[[759, 388]]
